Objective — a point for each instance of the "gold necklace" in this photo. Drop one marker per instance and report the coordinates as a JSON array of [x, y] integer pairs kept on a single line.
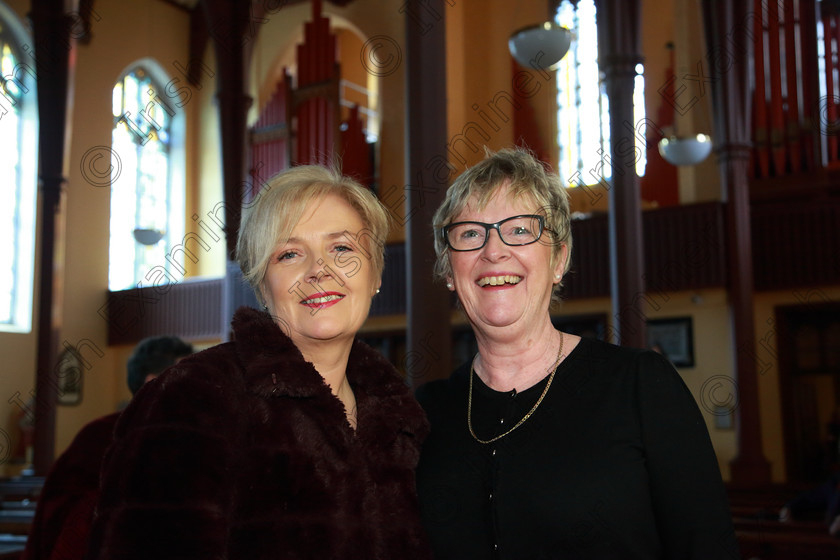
[[551, 372]]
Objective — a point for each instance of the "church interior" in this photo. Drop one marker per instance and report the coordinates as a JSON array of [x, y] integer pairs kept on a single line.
[[121, 223]]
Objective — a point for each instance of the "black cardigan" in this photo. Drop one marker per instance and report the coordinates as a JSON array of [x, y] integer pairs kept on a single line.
[[242, 452], [615, 463]]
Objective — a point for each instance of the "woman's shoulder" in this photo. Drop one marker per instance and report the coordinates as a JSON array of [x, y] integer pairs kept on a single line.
[[600, 350], [606, 368], [612, 356]]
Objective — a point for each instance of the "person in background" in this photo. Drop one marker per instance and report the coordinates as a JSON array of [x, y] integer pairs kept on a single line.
[[65, 506], [293, 441], [820, 503], [547, 445]]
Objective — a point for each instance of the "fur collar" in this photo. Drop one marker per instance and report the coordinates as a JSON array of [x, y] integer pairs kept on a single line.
[[275, 367]]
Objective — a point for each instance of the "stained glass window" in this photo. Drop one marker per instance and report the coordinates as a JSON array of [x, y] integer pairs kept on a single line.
[[582, 100], [18, 168], [142, 195]]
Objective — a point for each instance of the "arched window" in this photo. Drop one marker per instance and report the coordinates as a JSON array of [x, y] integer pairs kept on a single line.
[[147, 191], [18, 173], [582, 100]]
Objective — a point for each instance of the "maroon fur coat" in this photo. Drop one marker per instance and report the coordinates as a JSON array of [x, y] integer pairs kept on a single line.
[[241, 452], [65, 506]]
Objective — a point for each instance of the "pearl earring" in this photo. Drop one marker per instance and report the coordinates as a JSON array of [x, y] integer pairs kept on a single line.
[[377, 290], [449, 285]]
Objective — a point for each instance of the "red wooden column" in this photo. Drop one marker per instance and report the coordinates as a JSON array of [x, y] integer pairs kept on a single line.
[[727, 34], [232, 32], [428, 355], [619, 32], [53, 40]]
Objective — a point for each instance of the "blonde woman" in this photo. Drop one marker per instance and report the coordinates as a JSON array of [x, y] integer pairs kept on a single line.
[[294, 441]]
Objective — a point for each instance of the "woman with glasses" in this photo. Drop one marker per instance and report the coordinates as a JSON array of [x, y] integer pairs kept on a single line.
[[547, 445]]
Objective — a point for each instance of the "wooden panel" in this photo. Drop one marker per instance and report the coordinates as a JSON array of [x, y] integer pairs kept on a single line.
[[683, 251], [796, 244], [391, 299], [684, 248], [190, 309], [589, 271]]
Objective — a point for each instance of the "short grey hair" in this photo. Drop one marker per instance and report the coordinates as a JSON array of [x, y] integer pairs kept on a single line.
[[527, 177]]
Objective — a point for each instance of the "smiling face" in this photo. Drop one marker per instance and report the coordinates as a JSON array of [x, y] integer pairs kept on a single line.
[[320, 282], [500, 286]]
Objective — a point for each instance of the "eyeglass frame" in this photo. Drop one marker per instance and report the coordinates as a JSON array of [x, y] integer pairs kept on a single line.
[[487, 227]]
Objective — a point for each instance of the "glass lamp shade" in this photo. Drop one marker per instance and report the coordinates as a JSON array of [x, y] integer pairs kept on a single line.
[[540, 46], [148, 236], [690, 150]]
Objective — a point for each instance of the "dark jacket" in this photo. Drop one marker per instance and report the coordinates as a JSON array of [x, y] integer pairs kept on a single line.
[[65, 506], [243, 452]]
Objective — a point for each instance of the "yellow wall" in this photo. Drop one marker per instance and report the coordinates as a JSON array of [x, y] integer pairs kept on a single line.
[[208, 188], [479, 68], [124, 31]]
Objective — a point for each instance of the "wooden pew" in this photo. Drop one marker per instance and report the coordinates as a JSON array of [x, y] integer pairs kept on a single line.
[[755, 513], [769, 539], [21, 488], [769, 545], [18, 500]]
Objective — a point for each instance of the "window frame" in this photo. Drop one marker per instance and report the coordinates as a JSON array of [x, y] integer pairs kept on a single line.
[[25, 106], [170, 264], [590, 158]]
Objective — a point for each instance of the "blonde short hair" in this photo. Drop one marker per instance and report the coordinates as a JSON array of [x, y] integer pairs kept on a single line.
[[527, 177], [270, 218]]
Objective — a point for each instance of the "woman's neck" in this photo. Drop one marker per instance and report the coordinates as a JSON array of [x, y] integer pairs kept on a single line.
[[329, 357], [330, 360], [518, 362]]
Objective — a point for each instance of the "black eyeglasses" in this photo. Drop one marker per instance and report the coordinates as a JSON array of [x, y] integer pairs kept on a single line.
[[515, 231]]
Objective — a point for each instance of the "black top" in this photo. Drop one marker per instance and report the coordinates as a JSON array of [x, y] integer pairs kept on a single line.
[[615, 463]]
